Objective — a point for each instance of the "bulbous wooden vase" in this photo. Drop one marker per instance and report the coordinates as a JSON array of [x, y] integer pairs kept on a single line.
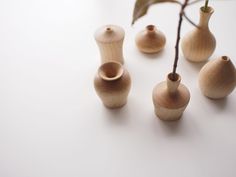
[[170, 98], [110, 39], [217, 78], [112, 84], [150, 40], [199, 44]]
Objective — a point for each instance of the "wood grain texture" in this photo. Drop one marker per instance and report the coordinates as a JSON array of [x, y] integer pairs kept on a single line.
[[198, 45], [112, 84], [170, 99], [217, 79], [110, 39], [150, 40]]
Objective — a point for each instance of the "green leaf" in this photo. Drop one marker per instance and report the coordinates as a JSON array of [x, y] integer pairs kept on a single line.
[[141, 7]]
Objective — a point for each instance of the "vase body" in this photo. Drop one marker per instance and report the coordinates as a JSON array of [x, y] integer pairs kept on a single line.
[[110, 39], [150, 40], [170, 98], [217, 78], [112, 84], [199, 44]]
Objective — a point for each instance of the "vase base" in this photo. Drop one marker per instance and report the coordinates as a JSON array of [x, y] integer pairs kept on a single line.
[[196, 61], [115, 106], [165, 114]]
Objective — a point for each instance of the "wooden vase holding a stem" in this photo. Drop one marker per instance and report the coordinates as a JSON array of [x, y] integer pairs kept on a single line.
[[198, 45], [170, 98]]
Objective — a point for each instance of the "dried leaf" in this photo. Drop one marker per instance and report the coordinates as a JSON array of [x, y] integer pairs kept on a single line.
[[141, 7]]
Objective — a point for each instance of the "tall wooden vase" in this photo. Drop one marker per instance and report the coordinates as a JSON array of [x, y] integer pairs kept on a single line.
[[110, 42], [112, 84], [217, 79], [170, 98], [199, 44]]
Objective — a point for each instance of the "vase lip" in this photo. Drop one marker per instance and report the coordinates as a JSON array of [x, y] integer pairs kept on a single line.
[[150, 28], [225, 58], [109, 33], [109, 29], [209, 10], [171, 77], [110, 71]]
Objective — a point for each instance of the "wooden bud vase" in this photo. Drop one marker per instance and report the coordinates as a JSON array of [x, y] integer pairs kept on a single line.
[[110, 42], [199, 44], [217, 78], [170, 98], [150, 40], [112, 84]]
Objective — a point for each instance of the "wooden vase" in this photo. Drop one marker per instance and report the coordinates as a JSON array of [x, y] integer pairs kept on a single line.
[[112, 84], [217, 79], [110, 42], [150, 40], [170, 98], [199, 44]]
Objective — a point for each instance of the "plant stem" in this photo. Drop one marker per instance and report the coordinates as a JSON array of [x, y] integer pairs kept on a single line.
[[206, 5], [178, 39], [194, 2], [190, 21]]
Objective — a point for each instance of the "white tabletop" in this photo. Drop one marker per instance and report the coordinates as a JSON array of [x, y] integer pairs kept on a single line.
[[52, 123]]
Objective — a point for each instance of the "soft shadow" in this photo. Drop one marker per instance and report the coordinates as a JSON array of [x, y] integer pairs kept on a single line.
[[116, 116], [169, 127], [153, 56], [219, 103], [196, 66], [183, 128]]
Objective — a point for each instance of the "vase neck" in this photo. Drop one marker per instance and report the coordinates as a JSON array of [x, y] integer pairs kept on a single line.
[[151, 30], [205, 16], [109, 33], [225, 61], [173, 83], [111, 71]]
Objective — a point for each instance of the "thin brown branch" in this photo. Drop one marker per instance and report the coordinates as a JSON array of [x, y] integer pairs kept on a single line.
[[177, 2], [178, 38], [206, 4], [190, 21], [194, 2]]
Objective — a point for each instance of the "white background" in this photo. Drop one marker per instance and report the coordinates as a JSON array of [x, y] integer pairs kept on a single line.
[[52, 124]]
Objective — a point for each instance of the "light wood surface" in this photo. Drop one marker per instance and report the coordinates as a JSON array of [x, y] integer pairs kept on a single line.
[[110, 39], [199, 44], [217, 79], [53, 124], [170, 98], [112, 84]]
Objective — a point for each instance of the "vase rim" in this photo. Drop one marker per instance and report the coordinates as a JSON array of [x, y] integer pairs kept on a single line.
[[110, 71], [171, 77], [109, 29], [209, 10], [109, 33], [225, 58], [151, 27]]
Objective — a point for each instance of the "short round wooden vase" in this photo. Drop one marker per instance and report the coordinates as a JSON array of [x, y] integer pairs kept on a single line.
[[217, 78], [199, 44], [110, 42], [170, 98], [112, 84], [150, 40]]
